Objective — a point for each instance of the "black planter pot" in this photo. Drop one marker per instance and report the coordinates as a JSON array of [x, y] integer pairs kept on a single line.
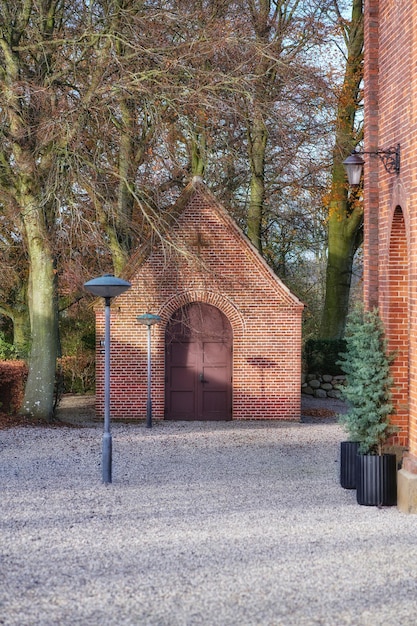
[[348, 452], [376, 479]]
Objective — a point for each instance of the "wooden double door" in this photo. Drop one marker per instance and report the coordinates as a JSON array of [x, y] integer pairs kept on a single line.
[[198, 360]]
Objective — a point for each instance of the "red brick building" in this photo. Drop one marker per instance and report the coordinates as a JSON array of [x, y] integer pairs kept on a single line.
[[390, 268], [229, 342]]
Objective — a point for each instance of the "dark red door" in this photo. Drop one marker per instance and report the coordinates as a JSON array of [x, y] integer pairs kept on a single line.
[[198, 364]]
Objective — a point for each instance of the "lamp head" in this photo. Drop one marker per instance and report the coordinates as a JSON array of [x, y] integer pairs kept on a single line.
[[107, 286], [148, 319], [353, 166]]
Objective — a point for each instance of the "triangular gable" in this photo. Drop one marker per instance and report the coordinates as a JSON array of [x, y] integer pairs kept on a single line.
[[141, 254], [197, 187]]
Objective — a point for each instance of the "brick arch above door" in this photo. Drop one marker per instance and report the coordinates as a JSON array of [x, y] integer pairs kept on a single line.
[[214, 298], [397, 325]]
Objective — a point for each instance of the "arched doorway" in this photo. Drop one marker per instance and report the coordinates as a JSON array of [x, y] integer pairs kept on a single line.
[[398, 322], [198, 364]]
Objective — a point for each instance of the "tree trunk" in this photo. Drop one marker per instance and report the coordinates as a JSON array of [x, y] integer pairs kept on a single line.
[[343, 242], [345, 209], [38, 401], [21, 333], [198, 153], [121, 237], [257, 149]]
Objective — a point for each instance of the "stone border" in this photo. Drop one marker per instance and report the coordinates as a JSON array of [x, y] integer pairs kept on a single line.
[[322, 386]]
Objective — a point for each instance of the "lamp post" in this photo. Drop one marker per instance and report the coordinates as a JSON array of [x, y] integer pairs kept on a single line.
[[107, 287], [148, 319]]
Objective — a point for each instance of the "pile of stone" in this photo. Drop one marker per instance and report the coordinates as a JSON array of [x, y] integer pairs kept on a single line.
[[323, 386]]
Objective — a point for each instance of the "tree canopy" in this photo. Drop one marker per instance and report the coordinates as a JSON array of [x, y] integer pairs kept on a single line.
[[108, 107]]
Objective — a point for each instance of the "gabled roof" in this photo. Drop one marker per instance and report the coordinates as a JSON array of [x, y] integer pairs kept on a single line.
[[197, 187]]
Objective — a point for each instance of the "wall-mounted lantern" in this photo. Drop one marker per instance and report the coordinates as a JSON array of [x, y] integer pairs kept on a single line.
[[354, 163]]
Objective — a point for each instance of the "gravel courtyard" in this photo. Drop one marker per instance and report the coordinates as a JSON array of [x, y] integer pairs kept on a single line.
[[204, 524]]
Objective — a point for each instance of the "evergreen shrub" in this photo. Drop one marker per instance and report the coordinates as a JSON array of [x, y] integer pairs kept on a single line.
[[368, 382]]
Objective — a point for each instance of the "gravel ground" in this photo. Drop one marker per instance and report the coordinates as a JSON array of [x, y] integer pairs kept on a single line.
[[204, 524]]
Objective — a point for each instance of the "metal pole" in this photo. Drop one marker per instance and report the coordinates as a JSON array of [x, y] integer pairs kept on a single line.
[[149, 399], [107, 442], [149, 319]]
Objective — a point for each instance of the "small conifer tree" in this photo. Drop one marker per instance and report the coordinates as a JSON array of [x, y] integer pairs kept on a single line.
[[368, 382]]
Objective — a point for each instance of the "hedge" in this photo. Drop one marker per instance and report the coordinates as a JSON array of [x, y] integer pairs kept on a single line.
[[13, 375], [322, 355]]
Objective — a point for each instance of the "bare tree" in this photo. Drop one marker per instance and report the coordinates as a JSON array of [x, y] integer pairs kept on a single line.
[[286, 84], [108, 107], [51, 72]]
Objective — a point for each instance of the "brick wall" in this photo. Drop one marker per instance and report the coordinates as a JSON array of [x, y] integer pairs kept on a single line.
[[207, 259], [390, 251]]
